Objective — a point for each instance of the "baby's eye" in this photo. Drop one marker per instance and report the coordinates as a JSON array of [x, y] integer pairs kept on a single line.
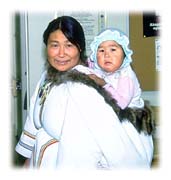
[[100, 50], [113, 49]]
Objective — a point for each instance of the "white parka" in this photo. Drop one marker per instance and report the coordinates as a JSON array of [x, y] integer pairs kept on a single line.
[[78, 129]]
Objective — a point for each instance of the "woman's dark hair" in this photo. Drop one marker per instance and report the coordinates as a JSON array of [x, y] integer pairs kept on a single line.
[[73, 31]]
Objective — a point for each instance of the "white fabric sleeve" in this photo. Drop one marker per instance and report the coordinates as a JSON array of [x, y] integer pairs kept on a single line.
[[27, 138]]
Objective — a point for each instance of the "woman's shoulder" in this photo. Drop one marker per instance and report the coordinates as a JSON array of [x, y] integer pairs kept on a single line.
[[84, 69], [43, 75], [127, 72]]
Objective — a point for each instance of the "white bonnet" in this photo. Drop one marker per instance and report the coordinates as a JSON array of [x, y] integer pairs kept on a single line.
[[117, 36]]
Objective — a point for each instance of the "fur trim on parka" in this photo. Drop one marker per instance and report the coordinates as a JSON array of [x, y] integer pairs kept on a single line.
[[141, 118]]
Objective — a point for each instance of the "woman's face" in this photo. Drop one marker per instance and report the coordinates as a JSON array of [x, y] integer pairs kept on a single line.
[[110, 56], [62, 54]]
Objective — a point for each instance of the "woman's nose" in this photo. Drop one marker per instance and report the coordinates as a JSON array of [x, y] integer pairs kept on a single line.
[[61, 51]]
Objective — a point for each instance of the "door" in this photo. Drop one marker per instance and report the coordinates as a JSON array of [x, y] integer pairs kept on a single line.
[[16, 94]]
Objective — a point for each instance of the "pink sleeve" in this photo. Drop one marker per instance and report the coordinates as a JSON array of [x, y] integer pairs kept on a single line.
[[123, 93]]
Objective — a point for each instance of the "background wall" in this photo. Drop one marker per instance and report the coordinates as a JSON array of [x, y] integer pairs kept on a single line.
[[144, 62]]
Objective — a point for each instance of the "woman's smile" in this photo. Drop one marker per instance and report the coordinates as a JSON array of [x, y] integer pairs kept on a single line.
[[61, 62], [62, 54]]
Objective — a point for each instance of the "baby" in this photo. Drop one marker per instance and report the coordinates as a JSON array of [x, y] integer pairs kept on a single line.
[[110, 59]]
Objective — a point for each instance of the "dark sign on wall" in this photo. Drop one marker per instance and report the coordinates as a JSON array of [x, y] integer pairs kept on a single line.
[[151, 24]]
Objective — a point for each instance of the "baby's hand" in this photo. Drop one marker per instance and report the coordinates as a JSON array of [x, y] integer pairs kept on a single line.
[[97, 79]]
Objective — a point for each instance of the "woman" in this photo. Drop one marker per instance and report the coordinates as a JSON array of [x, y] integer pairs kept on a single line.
[[72, 122]]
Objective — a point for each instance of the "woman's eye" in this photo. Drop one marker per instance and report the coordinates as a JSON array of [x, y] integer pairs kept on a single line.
[[69, 45], [53, 45]]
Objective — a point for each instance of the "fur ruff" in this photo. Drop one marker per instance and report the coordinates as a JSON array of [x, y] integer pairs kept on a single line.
[[141, 118]]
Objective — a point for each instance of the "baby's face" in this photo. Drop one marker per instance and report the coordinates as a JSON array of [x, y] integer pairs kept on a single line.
[[110, 56]]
